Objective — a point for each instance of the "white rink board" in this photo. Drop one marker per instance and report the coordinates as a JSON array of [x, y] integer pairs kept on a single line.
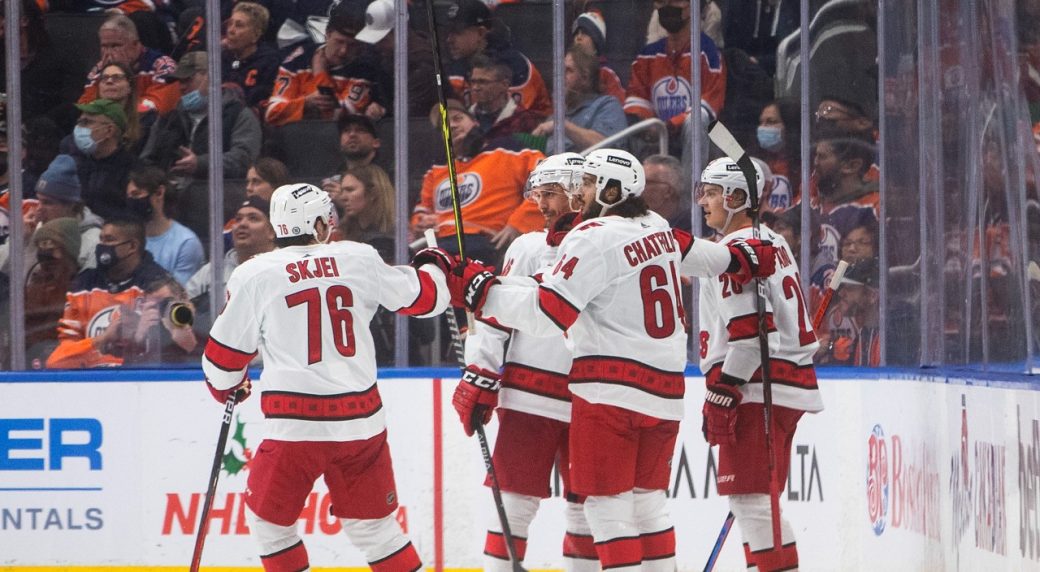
[[956, 486]]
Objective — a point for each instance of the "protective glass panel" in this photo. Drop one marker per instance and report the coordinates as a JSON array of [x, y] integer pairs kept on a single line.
[[843, 189]]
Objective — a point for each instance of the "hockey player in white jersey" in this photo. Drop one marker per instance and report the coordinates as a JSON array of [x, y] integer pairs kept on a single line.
[[730, 359], [614, 289], [306, 308], [534, 409]]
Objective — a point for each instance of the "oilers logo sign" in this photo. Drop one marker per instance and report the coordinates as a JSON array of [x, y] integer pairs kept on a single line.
[[671, 96], [470, 185]]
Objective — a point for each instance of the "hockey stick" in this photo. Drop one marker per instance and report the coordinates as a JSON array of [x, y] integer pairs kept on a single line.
[[727, 525], [721, 136], [832, 286], [214, 474], [485, 449]]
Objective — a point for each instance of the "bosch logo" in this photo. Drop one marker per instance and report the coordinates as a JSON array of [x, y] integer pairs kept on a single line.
[[877, 480]]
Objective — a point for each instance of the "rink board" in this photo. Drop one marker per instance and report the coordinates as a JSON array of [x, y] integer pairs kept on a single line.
[[896, 474]]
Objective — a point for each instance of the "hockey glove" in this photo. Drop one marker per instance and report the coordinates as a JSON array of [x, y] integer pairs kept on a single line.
[[476, 397], [221, 395], [469, 284], [720, 411], [436, 256], [751, 258]]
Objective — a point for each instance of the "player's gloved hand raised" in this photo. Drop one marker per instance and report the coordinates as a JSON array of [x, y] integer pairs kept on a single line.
[[221, 395], [436, 256], [720, 411], [476, 397], [469, 284], [751, 258]]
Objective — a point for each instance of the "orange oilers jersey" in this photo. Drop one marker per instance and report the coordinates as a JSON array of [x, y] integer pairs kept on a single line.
[[5, 217], [153, 92], [527, 86], [610, 84], [354, 85], [90, 306], [660, 84], [491, 187]]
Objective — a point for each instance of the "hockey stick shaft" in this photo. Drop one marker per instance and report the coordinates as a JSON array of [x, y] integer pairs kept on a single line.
[[832, 287], [713, 558], [449, 149], [485, 448], [214, 475], [721, 136]]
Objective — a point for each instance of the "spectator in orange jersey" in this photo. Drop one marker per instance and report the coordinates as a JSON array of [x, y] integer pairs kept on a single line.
[[244, 60], [660, 83], [471, 31], [852, 335], [343, 75], [491, 183], [104, 322], [589, 32], [120, 43]]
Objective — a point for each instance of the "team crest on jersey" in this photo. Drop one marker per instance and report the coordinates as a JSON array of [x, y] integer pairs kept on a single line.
[[671, 96], [470, 186], [781, 196], [100, 322]]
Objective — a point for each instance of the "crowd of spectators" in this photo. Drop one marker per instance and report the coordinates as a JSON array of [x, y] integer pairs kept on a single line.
[[126, 142]]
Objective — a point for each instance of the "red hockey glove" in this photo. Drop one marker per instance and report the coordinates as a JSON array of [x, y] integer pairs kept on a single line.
[[720, 411], [752, 258], [476, 397], [436, 256], [469, 284], [221, 395]]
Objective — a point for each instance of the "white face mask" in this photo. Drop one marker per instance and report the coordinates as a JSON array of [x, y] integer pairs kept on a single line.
[[84, 138]]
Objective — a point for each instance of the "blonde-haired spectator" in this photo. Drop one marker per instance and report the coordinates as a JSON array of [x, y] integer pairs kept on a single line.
[[244, 60]]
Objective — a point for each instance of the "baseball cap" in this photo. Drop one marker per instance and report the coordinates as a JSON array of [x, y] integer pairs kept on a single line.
[[61, 181], [464, 14], [864, 273], [379, 20], [190, 64], [106, 107], [364, 121], [257, 203]]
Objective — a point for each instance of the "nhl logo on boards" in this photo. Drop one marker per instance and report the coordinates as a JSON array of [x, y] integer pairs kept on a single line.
[[619, 161]]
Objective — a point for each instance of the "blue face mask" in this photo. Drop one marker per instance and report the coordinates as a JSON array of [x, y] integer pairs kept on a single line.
[[770, 138], [84, 140], [193, 101]]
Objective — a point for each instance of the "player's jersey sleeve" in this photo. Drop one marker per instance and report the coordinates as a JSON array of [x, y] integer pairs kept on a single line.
[[235, 335], [700, 257], [421, 292], [486, 344], [637, 100], [549, 308]]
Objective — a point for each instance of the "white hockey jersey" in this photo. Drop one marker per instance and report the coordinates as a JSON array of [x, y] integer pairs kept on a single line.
[[614, 288], [729, 331], [307, 309], [534, 376]]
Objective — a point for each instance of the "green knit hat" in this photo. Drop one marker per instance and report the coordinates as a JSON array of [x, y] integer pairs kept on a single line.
[[63, 231]]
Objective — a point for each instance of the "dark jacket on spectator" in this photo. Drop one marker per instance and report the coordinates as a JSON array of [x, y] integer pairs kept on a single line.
[[255, 74], [241, 139], [103, 180], [50, 85]]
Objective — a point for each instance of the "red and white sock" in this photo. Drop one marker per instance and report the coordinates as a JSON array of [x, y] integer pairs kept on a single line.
[[520, 509], [579, 550], [385, 547], [656, 534], [281, 548], [752, 513], [613, 523]]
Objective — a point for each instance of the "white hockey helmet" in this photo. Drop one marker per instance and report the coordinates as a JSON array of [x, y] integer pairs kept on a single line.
[[622, 167], [725, 173], [564, 169], [296, 207]]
